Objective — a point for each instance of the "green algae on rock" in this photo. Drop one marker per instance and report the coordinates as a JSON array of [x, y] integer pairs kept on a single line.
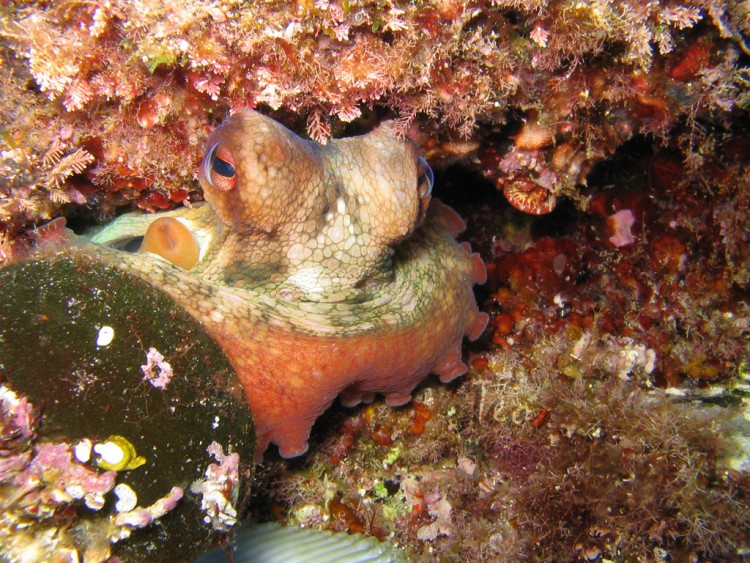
[[129, 392]]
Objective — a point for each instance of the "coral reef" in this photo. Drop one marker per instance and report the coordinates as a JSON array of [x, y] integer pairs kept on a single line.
[[107, 103], [599, 150]]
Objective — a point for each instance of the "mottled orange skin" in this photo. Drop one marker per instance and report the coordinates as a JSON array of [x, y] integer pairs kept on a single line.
[[318, 369], [323, 272]]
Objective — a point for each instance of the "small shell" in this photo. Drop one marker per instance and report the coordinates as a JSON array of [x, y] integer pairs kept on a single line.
[[529, 197], [126, 498], [82, 450], [117, 453]]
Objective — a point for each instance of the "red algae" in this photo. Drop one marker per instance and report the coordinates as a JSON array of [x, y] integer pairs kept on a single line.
[[115, 99]]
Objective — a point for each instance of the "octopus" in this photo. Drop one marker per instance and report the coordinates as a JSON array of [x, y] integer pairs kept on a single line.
[[322, 270]]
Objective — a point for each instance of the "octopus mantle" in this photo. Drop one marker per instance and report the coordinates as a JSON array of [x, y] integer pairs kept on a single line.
[[321, 270]]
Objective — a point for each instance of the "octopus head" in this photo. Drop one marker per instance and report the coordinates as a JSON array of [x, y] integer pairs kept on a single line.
[[257, 174]]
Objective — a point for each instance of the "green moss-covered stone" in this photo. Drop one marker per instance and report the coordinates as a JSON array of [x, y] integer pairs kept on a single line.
[[52, 313]]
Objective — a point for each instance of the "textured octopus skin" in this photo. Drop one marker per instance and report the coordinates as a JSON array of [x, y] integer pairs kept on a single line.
[[324, 271]]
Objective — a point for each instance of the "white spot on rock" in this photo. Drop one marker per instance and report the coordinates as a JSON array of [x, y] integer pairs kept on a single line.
[[126, 498], [106, 336], [82, 450]]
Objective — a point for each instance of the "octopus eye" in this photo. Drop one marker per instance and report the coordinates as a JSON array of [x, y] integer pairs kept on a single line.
[[425, 178], [218, 168]]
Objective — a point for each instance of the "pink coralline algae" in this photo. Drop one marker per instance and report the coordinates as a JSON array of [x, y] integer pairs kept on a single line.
[[156, 371], [45, 475], [17, 429], [125, 522], [45, 481], [219, 488], [54, 469], [620, 223], [18, 418]]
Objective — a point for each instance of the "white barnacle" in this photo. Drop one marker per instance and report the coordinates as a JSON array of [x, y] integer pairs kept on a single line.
[[82, 450], [110, 452], [105, 336], [76, 492], [126, 498]]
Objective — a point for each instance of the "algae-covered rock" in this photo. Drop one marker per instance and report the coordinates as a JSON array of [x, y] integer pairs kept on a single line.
[[120, 419]]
